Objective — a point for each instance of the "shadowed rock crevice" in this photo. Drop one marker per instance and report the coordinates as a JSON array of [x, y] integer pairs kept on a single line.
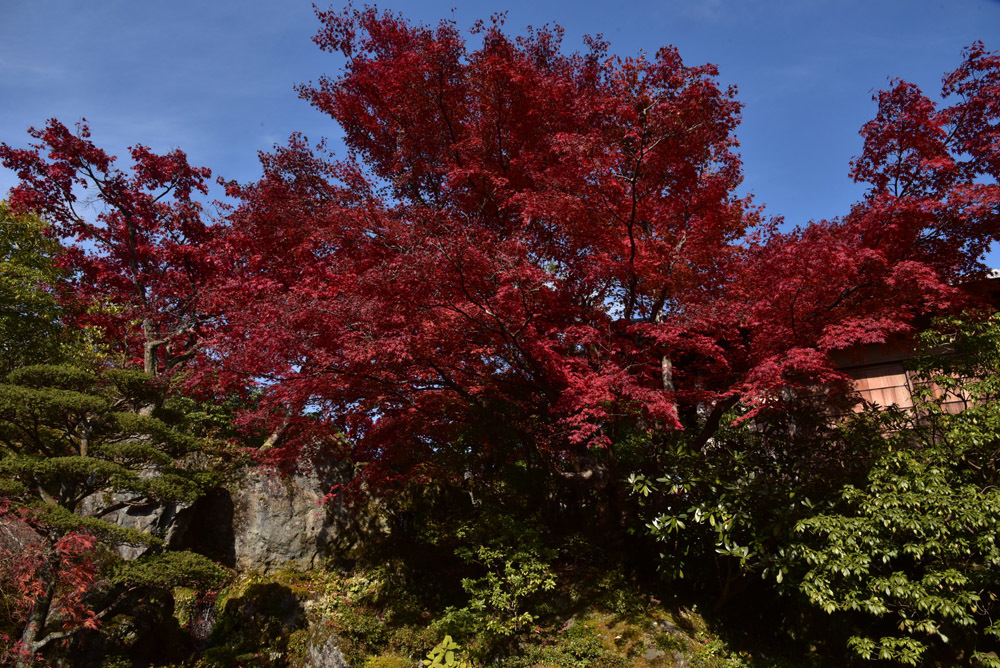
[[209, 528]]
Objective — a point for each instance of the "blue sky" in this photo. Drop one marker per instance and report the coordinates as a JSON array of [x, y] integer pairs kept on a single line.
[[216, 77]]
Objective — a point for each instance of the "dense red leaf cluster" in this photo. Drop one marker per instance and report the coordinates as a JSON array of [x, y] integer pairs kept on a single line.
[[61, 572], [142, 250], [525, 253], [493, 270]]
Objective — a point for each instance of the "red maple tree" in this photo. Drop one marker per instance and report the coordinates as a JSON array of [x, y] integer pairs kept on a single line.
[[141, 253], [930, 213], [42, 579], [528, 254], [481, 274]]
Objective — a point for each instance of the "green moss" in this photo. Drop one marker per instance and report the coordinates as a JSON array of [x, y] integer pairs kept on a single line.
[[316, 635], [184, 605], [669, 642], [254, 627], [170, 570], [580, 645], [361, 631], [389, 661], [379, 621], [412, 639]]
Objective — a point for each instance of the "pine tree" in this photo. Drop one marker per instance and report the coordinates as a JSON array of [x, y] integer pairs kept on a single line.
[[29, 330], [74, 449]]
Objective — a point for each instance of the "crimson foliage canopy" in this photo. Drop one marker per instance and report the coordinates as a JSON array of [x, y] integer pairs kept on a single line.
[[142, 252], [529, 254]]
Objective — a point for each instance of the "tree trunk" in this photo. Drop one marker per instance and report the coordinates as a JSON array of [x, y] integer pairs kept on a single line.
[[150, 346], [667, 374], [34, 630]]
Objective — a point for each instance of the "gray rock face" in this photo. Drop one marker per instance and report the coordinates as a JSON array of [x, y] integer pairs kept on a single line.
[[652, 654], [261, 520], [282, 521], [166, 522], [323, 651]]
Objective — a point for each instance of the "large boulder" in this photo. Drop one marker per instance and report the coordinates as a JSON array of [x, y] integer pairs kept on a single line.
[[265, 520], [323, 650], [260, 520], [167, 522], [280, 521]]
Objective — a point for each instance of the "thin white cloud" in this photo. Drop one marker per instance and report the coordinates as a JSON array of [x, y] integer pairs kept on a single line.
[[29, 68], [701, 10]]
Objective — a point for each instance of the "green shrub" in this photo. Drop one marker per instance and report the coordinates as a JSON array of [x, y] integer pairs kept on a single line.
[[727, 511], [447, 654], [389, 661], [578, 646], [910, 557], [509, 573]]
